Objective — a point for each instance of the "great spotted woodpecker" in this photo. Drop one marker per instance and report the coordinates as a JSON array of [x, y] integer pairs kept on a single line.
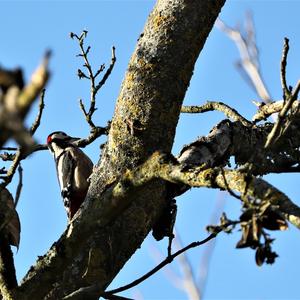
[[73, 170]]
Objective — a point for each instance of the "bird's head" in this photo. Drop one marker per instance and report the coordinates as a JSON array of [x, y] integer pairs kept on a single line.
[[59, 140]]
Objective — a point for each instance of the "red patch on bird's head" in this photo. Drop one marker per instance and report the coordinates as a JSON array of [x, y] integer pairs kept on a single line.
[[49, 139]]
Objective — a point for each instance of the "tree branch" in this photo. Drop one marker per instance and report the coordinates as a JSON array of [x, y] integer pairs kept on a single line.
[[212, 105], [37, 121], [266, 110], [283, 64], [95, 87], [164, 167], [249, 62]]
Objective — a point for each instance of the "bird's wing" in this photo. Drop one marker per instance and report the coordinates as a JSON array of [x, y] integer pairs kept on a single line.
[[67, 164]]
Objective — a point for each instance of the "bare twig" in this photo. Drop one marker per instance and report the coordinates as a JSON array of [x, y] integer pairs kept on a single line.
[[249, 63], [170, 241], [109, 70], [7, 156], [213, 105], [189, 280], [289, 96], [10, 173], [266, 110], [285, 89], [90, 76], [94, 134], [169, 273], [251, 38], [166, 261], [9, 148], [20, 185], [209, 247], [37, 121], [95, 87]]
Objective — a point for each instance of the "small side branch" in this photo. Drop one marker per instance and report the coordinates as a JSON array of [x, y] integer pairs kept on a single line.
[[94, 134], [219, 106], [266, 110], [248, 65], [189, 281], [109, 70], [283, 64], [289, 96], [20, 185], [91, 76], [10, 173], [275, 134], [37, 121]]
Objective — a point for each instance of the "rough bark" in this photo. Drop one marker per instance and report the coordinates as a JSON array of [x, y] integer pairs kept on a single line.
[[102, 239]]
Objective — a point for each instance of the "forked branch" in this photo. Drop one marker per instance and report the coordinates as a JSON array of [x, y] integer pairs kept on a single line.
[[91, 76], [290, 95]]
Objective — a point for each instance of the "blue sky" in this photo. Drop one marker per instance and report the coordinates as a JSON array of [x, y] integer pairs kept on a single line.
[[31, 27]]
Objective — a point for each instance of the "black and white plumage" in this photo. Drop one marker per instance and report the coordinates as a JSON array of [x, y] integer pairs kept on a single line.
[[73, 170]]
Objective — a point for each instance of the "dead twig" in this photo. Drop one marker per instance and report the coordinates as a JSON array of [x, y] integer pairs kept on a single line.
[[11, 171], [266, 110], [37, 121], [219, 106], [166, 261], [20, 185], [95, 87], [284, 118], [249, 65], [283, 64], [9, 148]]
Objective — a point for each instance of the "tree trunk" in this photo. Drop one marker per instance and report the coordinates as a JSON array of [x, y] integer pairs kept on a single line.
[[111, 228]]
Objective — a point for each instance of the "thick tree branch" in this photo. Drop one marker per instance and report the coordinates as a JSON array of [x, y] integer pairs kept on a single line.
[[165, 167], [224, 141]]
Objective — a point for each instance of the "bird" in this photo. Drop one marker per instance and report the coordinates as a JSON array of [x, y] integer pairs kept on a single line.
[[73, 168]]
